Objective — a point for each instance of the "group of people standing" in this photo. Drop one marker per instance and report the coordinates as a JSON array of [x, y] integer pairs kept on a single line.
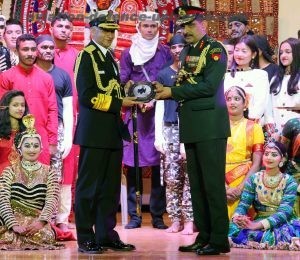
[[202, 134], [49, 94]]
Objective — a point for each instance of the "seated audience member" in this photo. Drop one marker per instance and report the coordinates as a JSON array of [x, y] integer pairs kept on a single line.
[[12, 108], [245, 74], [25, 216], [244, 147], [265, 55], [290, 137], [272, 193]]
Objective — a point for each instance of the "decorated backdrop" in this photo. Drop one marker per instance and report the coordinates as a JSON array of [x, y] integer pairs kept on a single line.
[[36, 15]]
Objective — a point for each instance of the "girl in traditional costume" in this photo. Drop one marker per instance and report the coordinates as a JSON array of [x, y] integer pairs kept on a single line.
[[290, 137], [28, 196], [244, 147], [272, 194]]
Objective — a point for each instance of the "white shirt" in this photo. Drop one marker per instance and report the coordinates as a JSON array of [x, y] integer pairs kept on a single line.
[[282, 99], [104, 51]]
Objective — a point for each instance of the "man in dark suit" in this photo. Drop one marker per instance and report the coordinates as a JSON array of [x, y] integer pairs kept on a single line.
[[99, 133], [204, 128]]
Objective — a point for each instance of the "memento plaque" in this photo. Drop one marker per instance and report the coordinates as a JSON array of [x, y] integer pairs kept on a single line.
[[143, 91]]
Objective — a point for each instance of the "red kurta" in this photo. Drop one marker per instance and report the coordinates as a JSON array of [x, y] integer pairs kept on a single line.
[[40, 95]]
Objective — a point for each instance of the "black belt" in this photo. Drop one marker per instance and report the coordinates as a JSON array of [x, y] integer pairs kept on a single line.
[[170, 123]]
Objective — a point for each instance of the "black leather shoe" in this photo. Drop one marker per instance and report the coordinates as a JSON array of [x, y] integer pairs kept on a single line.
[[118, 246], [191, 248], [212, 250], [90, 248], [159, 224], [133, 224]]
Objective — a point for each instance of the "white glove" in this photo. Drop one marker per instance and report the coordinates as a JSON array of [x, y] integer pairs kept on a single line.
[[159, 142], [182, 151], [68, 125]]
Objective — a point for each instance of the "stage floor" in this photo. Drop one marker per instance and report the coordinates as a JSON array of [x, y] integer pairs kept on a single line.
[[150, 244]]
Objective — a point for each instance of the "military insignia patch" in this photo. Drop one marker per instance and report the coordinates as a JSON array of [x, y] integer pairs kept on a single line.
[[201, 45], [214, 50], [216, 53], [216, 56]]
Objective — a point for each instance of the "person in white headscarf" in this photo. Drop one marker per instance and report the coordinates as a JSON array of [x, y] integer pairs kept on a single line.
[[142, 62], [145, 41]]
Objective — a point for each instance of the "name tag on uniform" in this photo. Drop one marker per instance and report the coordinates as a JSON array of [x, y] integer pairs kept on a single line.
[[101, 71]]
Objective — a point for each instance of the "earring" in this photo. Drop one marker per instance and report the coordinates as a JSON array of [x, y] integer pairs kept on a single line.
[[280, 164], [252, 63]]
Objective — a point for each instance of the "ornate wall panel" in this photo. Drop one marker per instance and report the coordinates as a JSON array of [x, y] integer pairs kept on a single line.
[[36, 14]]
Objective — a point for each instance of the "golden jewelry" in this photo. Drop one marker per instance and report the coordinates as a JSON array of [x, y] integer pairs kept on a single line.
[[272, 182], [30, 167]]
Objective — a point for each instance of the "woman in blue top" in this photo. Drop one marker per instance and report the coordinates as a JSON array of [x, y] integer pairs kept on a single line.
[[272, 194]]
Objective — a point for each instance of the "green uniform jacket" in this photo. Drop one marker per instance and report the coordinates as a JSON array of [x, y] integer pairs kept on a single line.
[[203, 112]]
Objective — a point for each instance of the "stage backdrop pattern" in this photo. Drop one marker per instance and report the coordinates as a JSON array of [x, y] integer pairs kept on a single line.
[[35, 15]]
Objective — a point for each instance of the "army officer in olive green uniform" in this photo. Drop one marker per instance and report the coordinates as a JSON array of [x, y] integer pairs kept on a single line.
[[99, 133], [204, 128]]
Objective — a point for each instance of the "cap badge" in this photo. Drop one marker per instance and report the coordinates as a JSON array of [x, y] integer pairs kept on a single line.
[[181, 12]]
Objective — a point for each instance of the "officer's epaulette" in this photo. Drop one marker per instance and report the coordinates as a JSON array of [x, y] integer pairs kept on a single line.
[[90, 48]]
